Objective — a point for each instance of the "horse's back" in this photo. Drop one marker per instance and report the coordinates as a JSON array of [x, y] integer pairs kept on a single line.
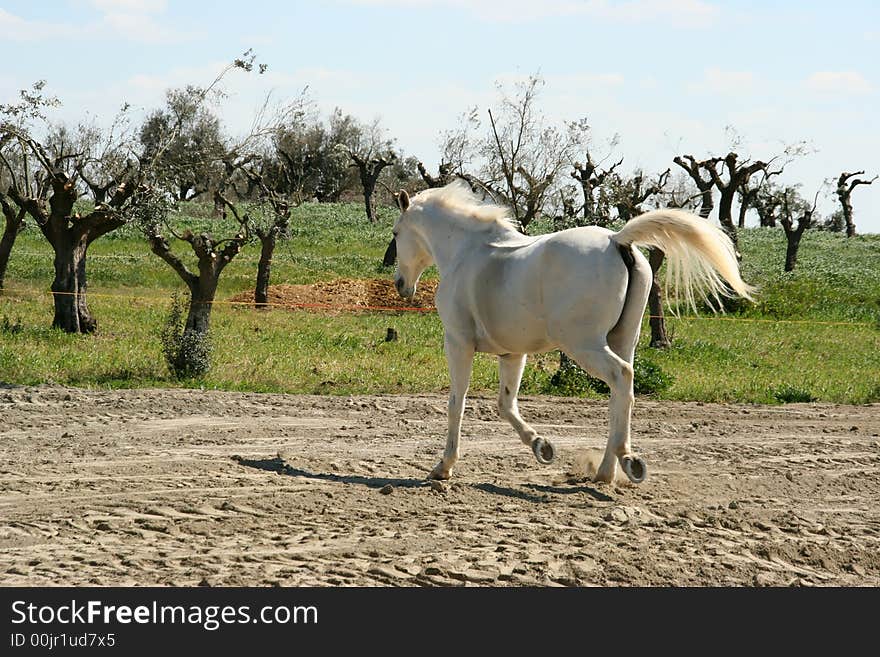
[[533, 295], [584, 284]]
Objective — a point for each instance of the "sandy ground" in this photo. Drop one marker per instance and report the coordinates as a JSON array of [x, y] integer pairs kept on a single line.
[[147, 487]]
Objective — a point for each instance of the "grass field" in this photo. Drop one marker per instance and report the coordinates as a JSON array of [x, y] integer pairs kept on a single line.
[[812, 335]]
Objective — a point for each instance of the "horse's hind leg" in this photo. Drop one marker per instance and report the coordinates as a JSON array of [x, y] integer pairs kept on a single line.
[[618, 374], [510, 370], [624, 337], [460, 360]]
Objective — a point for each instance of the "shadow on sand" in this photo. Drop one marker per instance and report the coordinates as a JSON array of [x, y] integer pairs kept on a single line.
[[543, 493], [278, 465]]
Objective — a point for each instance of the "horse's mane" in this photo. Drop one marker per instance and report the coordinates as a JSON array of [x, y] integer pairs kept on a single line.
[[457, 198]]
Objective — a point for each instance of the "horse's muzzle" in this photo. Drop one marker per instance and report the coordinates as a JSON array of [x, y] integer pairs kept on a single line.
[[403, 290]]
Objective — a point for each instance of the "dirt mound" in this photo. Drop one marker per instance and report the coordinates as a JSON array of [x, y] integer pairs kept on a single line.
[[346, 296]]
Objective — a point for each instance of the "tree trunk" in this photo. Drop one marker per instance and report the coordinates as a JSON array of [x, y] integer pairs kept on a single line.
[[6, 242], [267, 248], [706, 203], [198, 319], [848, 216], [794, 243], [69, 287], [743, 208], [725, 217], [190, 356], [657, 321], [589, 205], [369, 188], [791, 251]]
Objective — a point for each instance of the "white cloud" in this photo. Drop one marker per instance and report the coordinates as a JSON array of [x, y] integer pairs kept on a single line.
[[127, 20], [587, 80], [837, 82], [15, 28], [142, 28], [136, 6], [683, 13], [720, 82], [680, 13]]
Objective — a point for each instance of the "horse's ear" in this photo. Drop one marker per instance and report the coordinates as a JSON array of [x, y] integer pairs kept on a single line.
[[402, 200]]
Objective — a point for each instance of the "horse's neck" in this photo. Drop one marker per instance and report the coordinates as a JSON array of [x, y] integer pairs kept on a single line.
[[449, 238]]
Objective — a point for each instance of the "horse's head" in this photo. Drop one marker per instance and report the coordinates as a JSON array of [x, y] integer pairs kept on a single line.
[[408, 245]]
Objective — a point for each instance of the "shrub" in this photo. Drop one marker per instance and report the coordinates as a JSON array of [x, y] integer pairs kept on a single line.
[[570, 380], [789, 394], [187, 353], [11, 327], [649, 378]]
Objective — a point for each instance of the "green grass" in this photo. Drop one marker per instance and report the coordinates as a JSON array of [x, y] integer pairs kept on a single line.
[[812, 335]]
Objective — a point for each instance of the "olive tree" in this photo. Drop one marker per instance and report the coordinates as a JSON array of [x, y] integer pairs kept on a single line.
[[76, 185]]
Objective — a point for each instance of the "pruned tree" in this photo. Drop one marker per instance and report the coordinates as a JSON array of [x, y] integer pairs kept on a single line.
[[591, 179], [13, 216], [369, 169], [185, 140], [748, 193], [793, 209], [212, 253], [212, 256], [269, 224], [630, 192], [48, 185], [846, 183], [17, 119], [767, 203], [191, 357], [310, 158], [733, 175], [369, 152], [523, 154], [694, 169], [444, 175]]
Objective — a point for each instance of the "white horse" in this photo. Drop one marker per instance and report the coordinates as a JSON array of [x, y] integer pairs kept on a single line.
[[582, 290]]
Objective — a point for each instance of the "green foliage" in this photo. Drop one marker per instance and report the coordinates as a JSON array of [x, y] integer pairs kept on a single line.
[[649, 378], [10, 327], [836, 279], [187, 353], [187, 141], [571, 381], [789, 394]]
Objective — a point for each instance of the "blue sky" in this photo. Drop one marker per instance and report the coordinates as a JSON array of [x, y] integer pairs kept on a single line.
[[666, 75]]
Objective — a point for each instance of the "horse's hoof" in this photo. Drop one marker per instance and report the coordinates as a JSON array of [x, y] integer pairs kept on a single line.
[[603, 477], [439, 473], [635, 468], [543, 450]]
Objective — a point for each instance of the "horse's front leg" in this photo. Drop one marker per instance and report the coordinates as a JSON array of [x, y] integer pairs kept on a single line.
[[510, 371], [460, 358]]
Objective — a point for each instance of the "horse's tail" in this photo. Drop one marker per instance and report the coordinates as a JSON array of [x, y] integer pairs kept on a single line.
[[700, 256]]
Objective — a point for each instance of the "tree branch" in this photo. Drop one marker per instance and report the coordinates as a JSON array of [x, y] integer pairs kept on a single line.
[[159, 245]]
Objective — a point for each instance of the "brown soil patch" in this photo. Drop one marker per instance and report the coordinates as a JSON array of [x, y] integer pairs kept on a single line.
[[346, 296]]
